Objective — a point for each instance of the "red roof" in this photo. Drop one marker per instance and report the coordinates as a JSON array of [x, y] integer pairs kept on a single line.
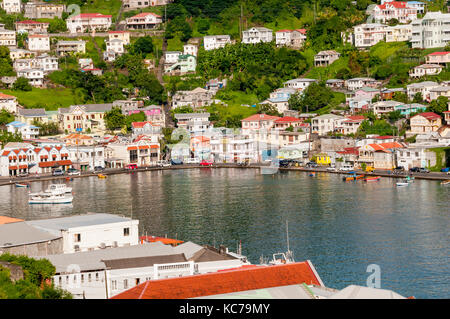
[[303, 31], [349, 150], [356, 117], [164, 240], [261, 117], [395, 4], [287, 119], [439, 53], [227, 281], [385, 146], [140, 124], [6, 96], [31, 22], [144, 14], [385, 137], [91, 16], [429, 115], [131, 148]]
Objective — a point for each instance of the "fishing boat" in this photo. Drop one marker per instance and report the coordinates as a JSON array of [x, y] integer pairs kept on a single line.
[[354, 177], [101, 176], [22, 185], [372, 179], [49, 198], [313, 174], [447, 182]]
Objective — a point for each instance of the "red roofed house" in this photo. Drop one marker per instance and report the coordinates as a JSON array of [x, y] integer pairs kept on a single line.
[[287, 121], [258, 121], [8, 102], [145, 20], [145, 128], [142, 152], [290, 38], [88, 22], [31, 26], [447, 115], [351, 124], [438, 58], [424, 123], [379, 156], [223, 282], [394, 10]]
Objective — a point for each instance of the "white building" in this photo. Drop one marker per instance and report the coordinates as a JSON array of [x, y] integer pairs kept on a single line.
[[38, 42], [325, 58], [425, 69], [290, 38], [7, 37], [256, 35], [400, 11], [139, 4], [366, 35], [116, 46], [193, 122], [171, 57], [326, 123], [399, 33], [16, 53], [8, 102], [12, 6], [34, 76], [87, 157], [432, 31], [230, 147], [190, 49], [105, 273], [299, 84], [88, 22], [27, 131], [120, 35], [358, 83], [144, 20], [422, 87], [65, 47], [91, 231], [212, 42]]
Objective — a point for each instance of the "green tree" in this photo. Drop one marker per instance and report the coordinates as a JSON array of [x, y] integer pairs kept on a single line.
[[114, 119], [6, 68], [400, 97], [22, 84], [439, 106], [178, 27], [315, 96], [203, 26], [6, 117], [57, 25], [295, 102], [268, 109], [142, 46], [417, 98]]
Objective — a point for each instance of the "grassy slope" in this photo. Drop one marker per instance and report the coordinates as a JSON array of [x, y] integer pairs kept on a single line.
[[50, 99]]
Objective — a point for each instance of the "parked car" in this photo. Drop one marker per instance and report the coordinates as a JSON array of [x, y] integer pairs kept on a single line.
[[73, 171], [414, 169], [398, 170], [424, 170], [311, 164], [446, 170], [285, 163], [332, 167], [206, 163], [162, 163], [369, 169], [58, 172], [98, 169], [192, 161], [176, 162], [131, 166], [22, 175]]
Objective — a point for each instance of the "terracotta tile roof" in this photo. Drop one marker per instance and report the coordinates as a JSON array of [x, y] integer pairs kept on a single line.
[[7, 220], [144, 14], [386, 146], [356, 117], [385, 137], [439, 53], [6, 96], [224, 282], [288, 119], [91, 16], [395, 4], [429, 115], [261, 117], [140, 124]]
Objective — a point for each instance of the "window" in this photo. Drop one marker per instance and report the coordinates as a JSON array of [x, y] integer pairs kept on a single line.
[[126, 231], [77, 238], [89, 278], [114, 285], [96, 276], [82, 278], [125, 284], [138, 280]]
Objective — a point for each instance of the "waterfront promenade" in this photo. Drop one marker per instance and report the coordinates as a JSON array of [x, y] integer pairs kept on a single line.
[[383, 173]]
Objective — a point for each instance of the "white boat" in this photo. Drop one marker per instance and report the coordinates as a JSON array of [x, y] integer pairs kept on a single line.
[[49, 198], [402, 184], [58, 189], [269, 170]]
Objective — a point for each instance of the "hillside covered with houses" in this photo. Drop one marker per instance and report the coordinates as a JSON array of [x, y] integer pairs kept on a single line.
[[361, 82]]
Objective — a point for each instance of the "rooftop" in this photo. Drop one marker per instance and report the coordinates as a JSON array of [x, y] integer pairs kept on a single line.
[[21, 233]]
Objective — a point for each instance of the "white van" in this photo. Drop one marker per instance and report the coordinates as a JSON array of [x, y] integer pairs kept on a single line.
[[346, 167]]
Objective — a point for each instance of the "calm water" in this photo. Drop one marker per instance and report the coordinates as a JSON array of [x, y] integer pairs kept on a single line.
[[341, 227]]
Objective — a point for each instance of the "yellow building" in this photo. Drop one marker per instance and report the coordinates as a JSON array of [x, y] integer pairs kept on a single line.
[[323, 159], [82, 118]]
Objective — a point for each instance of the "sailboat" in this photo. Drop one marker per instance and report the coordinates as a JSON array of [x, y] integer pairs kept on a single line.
[[282, 258]]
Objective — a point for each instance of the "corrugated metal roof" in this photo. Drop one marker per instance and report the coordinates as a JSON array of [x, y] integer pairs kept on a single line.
[[63, 223], [20, 233], [360, 292], [147, 261]]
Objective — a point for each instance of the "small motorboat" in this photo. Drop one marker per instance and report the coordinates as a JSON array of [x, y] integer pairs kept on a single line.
[[101, 176], [447, 182], [353, 178], [22, 185], [402, 183], [372, 179], [58, 189], [409, 179], [312, 174]]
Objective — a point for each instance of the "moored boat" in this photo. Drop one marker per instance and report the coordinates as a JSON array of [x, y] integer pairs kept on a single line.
[[402, 183], [353, 178], [49, 198], [58, 189], [101, 176], [447, 182], [372, 179], [22, 185]]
